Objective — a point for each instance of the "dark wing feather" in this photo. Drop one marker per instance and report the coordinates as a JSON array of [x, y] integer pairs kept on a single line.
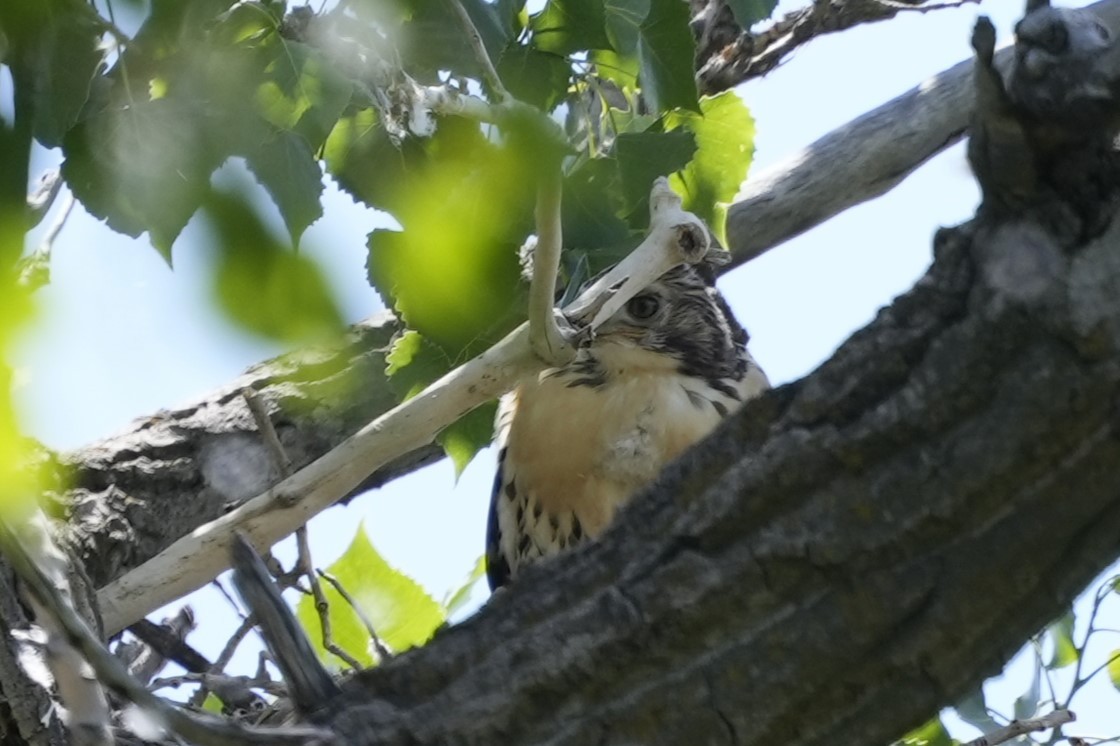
[[497, 566]]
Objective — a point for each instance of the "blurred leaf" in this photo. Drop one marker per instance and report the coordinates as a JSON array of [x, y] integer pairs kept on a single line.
[[55, 53], [263, 285], [212, 704], [414, 362], [1061, 635], [725, 146], [1026, 704], [750, 12], [458, 597], [566, 26], [665, 57], [401, 612], [642, 157], [452, 272], [932, 733], [141, 165], [623, 21], [535, 77], [1114, 668], [286, 167], [973, 709]]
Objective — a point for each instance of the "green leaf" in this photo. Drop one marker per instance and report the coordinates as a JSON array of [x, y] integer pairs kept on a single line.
[[642, 157], [264, 286], [725, 146], [589, 210], [55, 56], [452, 272], [141, 165], [468, 435], [1113, 668], [750, 12], [401, 612], [665, 57], [1061, 635], [433, 39], [623, 23], [535, 77], [566, 26], [932, 733], [367, 164], [302, 92], [622, 70], [285, 166], [212, 704], [457, 597]]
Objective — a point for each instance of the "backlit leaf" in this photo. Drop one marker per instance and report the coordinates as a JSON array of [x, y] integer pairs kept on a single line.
[[725, 146], [263, 285], [1061, 635], [401, 612], [932, 733], [1113, 668]]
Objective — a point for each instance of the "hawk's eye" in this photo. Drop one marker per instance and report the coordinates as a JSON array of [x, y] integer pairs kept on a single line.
[[643, 307]]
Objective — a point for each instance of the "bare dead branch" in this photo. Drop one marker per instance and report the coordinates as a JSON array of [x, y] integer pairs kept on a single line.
[[1021, 727], [731, 55]]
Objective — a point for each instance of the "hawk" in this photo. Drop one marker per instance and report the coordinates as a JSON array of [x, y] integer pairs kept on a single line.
[[575, 442]]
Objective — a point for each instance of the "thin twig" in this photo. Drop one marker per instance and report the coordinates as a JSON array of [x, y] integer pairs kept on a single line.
[[545, 337], [675, 236], [303, 561], [1020, 727], [489, 73], [247, 625], [198, 728], [322, 607], [382, 650], [268, 431], [35, 268]]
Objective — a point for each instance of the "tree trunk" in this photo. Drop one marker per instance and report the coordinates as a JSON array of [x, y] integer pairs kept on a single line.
[[848, 554]]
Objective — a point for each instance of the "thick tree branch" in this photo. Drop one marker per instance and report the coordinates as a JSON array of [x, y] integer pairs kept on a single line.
[[862, 160], [279, 509], [728, 55], [130, 495], [845, 556]]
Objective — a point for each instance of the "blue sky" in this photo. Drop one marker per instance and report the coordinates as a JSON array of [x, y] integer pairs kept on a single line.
[[120, 335]]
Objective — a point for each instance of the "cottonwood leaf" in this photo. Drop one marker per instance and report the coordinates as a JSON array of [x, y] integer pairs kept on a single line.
[[400, 610]]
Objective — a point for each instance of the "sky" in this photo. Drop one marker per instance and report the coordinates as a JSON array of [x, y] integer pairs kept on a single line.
[[120, 335]]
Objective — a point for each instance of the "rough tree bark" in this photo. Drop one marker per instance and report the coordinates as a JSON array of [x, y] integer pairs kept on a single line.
[[844, 556]]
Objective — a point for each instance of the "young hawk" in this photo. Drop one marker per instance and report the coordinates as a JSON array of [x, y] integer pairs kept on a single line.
[[577, 441]]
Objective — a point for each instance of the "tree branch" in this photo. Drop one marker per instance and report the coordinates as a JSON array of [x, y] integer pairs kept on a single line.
[[840, 559], [279, 510], [862, 160], [728, 55]]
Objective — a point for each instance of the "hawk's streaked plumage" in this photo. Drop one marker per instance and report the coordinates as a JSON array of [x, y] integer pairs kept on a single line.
[[576, 442]]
